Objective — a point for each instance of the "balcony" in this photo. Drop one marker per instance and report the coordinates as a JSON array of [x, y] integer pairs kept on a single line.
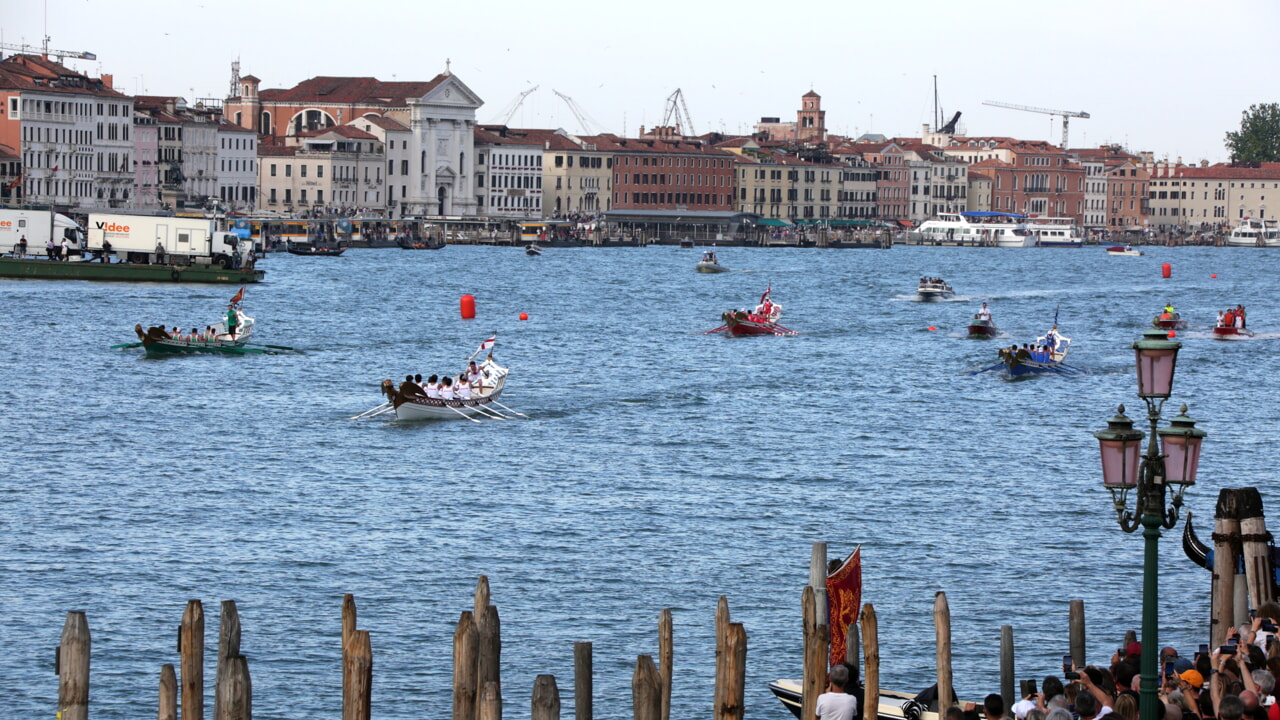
[[1036, 189]]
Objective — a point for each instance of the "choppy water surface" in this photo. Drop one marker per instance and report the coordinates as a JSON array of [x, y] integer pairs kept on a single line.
[[663, 467]]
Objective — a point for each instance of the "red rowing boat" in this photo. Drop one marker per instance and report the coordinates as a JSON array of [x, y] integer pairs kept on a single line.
[[763, 320]]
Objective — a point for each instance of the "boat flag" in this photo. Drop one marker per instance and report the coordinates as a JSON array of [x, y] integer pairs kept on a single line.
[[487, 344], [765, 297], [844, 602], [238, 296]]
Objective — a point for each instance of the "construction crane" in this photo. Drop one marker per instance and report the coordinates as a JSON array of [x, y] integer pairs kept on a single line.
[[588, 125], [507, 112], [676, 108], [1066, 115], [44, 50]]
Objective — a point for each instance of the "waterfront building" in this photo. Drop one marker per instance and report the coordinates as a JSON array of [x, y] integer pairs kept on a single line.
[[10, 175], [440, 114], [237, 174], [979, 195], [146, 162], [1209, 196], [188, 150], [395, 138], [577, 177], [893, 177], [781, 186], [654, 174], [1127, 188], [857, 194], [1039, 180], [1097, 163], [334, 169], [938, 183], [71, 131], [509, 173]]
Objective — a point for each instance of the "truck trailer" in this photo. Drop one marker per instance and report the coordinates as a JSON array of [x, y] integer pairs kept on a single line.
[[38, 227], [173, 240]]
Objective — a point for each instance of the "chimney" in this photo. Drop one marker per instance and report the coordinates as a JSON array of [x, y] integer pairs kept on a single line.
[[108, 80]]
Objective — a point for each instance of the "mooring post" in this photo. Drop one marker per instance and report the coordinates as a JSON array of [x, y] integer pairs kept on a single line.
[[357, 696], [582, 681], [489, 653], [871, 659], [816, 649], [722, 626], [1226, 538], [942, 625], [73, 667], [191, 648], [1259, 574], [234, 695], [646, 690], [546, 699], [1075, 628], [465, 651], [348, 627], [852, 645], [228, 648], [168, 705], [666, 655], [1006, 666], [490, 702], [734, 697]]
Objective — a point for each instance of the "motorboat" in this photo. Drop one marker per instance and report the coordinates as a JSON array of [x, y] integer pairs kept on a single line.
[[975, 227], [893, 705], [934, 289], [686, 243], [533, 251], [1231, 325], [314, 250], [1056, 232], [763, 320], [710, 263], [982, 326], [1125, 250], [1169, 321], [1254, 232]]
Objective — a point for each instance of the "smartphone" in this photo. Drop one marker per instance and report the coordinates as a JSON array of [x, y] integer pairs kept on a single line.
[[1071, 675], [1066, 664], [1168, 669], [1227, 650], [1028, 688], [1233, 639], [1204, 649]]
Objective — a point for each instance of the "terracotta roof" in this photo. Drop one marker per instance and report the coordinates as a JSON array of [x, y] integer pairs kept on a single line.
[[612, 143], [250, 78], [351, 90], [1219, 171], [996, 163], [382, 121], [810, 94], [276, 150], [31, 72], [225, 125], [345, 131]]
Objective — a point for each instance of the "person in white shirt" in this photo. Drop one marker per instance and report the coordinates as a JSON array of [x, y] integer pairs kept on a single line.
[[433, 387], [984, 313], [464, 388], [446, 389], [835, 703]]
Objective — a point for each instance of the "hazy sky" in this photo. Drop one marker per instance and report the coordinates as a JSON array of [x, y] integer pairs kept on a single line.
[[1170, 77]]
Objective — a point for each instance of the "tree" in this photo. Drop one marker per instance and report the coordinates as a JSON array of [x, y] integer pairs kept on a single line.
[[1259, 136]]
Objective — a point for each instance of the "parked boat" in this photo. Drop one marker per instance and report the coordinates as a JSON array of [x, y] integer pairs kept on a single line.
[[408, 243], [686, 243], [1126, 250], [313, 250], [40, 269], [934, 289], [1253, 232], [982, 326], [893, 705], [975, 227], [763, 320], [412, 403], [1056, 232], [710, 264]]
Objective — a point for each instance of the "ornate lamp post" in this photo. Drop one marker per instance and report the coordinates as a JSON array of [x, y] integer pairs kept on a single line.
[[1172, 464]]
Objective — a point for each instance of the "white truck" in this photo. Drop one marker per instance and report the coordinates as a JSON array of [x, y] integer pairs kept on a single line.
[[38, 227], [190, 241]]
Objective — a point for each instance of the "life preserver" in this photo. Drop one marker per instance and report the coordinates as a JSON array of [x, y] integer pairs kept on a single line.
[[174, 275]]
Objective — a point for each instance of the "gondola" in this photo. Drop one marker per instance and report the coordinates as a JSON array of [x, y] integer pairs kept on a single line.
[[312, 250]]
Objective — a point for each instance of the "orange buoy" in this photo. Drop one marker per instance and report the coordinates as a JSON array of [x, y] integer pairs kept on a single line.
[[524, 316], [1166, 270], [932, 328], [468, 307], [1173, 333], [1214, 276]]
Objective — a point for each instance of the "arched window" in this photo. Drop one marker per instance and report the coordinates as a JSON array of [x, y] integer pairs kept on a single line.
[[265, 121]]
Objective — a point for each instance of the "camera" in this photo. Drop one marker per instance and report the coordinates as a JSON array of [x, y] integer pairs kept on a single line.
[[1168, 669]]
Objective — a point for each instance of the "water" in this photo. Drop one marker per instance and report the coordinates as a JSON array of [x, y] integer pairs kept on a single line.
[[662, 468]]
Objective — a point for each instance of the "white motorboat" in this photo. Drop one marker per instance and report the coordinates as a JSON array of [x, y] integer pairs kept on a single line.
[[1254, 233], [990, 229], [934, 289], [1056, 232], [1125, 250], [710, 263], [893, 705]]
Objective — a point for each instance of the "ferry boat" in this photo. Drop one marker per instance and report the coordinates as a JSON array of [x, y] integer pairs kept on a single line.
[[1056, 232], [1254, 233], [975, 227]]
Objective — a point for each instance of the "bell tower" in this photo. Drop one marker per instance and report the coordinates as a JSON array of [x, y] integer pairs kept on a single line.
[[811, 120]]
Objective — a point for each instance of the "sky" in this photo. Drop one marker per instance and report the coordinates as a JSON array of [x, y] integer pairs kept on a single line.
[[1169, 77]]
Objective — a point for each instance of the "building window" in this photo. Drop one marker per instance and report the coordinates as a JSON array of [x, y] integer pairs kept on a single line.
[[288, 171]]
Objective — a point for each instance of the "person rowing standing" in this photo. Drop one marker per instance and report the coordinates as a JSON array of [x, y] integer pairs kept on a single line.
[[233, 321]]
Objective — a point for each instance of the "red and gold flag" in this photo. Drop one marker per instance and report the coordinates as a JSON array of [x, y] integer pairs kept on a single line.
[[238, 296], [844, 602]]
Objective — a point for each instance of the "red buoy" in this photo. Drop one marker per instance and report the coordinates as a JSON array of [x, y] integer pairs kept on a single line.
[[524, 316], [1214, 276], [1173, 334], [468, 307], [932, 328], [1166, 270]]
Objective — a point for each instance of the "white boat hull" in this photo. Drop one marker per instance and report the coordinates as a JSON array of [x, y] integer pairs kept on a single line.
[[437, 409], [1014, 241], [710, 267]]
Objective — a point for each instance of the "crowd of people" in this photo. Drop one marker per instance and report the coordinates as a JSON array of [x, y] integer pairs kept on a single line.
[[1232, 317], [1027, 353], [1233, 682], [468, 384], [933, 281]]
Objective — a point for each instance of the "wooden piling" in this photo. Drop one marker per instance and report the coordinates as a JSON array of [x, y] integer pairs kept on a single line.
[[1226, 535], [733, 698], [871, 659], [1257, 554], [646, 690], [233, 698], [722, 627], [1006, 666], [666, 654], [191, 648], [168, 705], [348, 627], [582, 687], [546, 699], [818, 580], [73, 668], [490, 705], [465, 687], [482, 598], [1075, 632], [816, 649], [228, 648], [357, 695], [489, 651], [852, 645], [942, 626]]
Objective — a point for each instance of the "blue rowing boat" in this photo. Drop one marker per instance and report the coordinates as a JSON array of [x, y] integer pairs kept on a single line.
[[1047, 357]]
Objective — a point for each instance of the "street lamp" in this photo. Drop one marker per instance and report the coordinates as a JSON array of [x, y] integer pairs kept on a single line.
[[1172, 463]]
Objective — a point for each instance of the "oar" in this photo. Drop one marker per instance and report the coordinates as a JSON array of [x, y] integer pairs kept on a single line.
[[722, 327], [504, 407], [997, 366], [273, 347], [464, 415], [370, 410], [380, 412], [489, 412], [126, 345]]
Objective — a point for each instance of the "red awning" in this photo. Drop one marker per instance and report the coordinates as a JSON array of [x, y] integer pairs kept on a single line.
[[906, 223]]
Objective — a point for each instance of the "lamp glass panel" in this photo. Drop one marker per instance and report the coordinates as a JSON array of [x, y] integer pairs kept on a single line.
[[1155, 372], [1183, 458], [1120, 460]]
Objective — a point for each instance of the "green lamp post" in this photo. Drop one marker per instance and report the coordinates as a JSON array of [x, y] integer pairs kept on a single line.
[[1171, 464]]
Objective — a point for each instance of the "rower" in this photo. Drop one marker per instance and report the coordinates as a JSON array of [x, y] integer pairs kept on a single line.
[[446, 388], [464, 388], [409, 388], [433, 387]]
